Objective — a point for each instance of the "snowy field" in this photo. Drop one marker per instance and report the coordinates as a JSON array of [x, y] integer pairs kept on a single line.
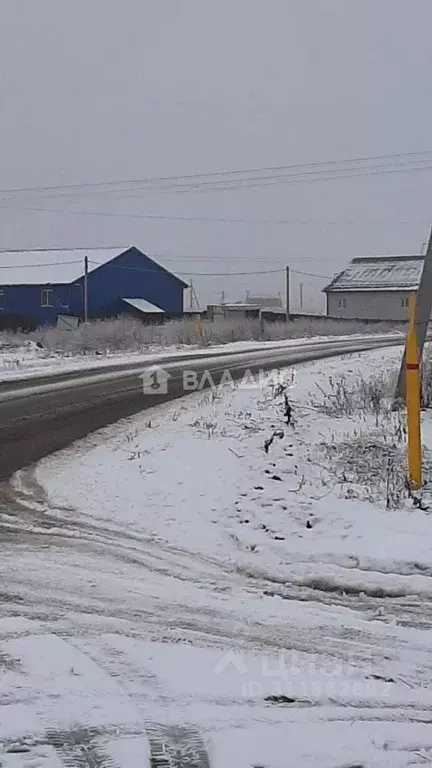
[[206, 584]]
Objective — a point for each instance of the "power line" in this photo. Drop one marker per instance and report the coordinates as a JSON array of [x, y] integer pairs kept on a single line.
[[164, 256], [60, 249], [30, 266], [310, 274], [216, 174], [153, 271], [322, 174], [216, 184], [134, 269], [217, 274], [307, 179], [256, 181], [203, 219], [192, 274]]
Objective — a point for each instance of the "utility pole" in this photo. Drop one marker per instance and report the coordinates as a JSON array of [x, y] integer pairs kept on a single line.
[[287, 293], [301, 295], [422, 316], [195, 296], [191, 295], [85, 289]]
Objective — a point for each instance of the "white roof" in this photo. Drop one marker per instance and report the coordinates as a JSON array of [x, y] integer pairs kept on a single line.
[[38, 267], [143, 305], [385, 273]]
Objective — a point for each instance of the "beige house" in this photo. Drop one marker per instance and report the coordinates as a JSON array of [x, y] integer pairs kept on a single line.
[[374, 288]]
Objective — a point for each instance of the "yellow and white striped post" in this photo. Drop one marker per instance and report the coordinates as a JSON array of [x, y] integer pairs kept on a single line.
[[413, 391]]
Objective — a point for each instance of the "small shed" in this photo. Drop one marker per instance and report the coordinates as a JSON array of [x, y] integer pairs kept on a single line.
[[245, 311], [374, 288], [234, 311]]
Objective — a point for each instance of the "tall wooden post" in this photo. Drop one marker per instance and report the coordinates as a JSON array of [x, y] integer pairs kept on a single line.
[[85, 289], [287, 293]]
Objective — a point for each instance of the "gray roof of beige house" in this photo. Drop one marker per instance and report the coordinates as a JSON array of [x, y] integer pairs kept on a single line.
[[379, 273]]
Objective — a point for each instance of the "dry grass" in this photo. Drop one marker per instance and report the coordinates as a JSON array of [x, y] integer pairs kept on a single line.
[[369, 458], [371, 464], [358, 396], [128, 334]]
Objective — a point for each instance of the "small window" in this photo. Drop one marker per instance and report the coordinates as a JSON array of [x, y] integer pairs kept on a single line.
[[47, 297], [342, 303], [405, 301], [1, 298]]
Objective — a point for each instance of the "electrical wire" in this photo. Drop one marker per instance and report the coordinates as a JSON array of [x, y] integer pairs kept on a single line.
[[192, 274], [310, 274], [217, 174], [202, 219], [31, 266], [163, 256], [257, 182], [216, 274]]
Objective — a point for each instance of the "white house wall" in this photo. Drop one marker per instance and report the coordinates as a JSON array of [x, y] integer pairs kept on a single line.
[[369, 305]]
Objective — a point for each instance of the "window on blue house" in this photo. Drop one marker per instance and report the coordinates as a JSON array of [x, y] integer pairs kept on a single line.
[[47, 297], [1, 298]]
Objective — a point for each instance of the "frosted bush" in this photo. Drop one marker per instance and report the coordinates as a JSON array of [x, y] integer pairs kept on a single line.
[[346, 396], [129, 334]]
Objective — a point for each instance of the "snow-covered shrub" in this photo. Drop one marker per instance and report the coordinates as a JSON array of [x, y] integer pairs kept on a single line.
[[371, 464], [117, 334], [348, 396], [325, 326]]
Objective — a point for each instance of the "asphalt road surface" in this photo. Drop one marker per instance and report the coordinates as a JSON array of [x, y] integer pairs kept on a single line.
[[40, 416]]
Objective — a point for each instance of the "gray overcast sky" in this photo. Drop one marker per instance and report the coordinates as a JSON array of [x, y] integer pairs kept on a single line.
[[94, 90]]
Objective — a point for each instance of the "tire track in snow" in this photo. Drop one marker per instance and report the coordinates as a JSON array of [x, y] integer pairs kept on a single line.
[[177, 747], [408, 606], [80, 748], [170, 746], [401, 601], [27, 510]]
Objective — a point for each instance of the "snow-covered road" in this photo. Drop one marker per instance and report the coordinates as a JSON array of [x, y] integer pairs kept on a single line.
[[30, 362], [171, 595]]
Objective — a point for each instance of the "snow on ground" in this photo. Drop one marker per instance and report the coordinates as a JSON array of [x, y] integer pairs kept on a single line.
[[29, 360], [168, 588]]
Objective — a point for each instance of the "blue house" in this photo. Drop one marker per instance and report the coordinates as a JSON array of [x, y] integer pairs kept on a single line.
[[37, 286]]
